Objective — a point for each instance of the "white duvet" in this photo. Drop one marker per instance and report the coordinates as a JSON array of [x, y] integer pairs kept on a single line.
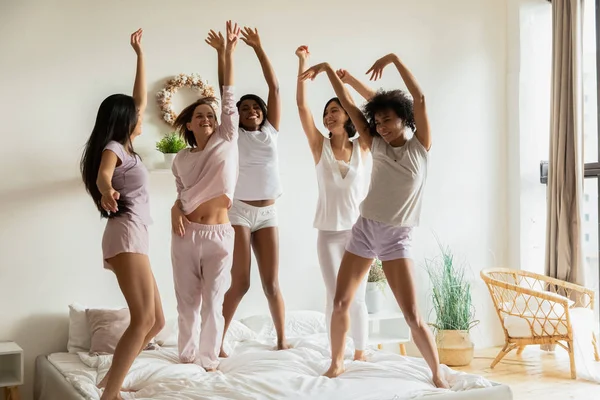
[[255, 371]]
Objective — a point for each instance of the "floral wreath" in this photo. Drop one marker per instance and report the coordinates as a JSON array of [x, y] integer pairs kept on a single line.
[[164, 97]]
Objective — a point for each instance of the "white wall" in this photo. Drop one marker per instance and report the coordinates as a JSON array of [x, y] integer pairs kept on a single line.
[[60, 59]]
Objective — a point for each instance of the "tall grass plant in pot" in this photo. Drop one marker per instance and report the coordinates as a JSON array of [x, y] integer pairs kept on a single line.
[[170, 145], [453, 307], [376, 283]]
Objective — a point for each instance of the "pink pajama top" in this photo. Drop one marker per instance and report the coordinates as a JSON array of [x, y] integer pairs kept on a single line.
[[206, 174]]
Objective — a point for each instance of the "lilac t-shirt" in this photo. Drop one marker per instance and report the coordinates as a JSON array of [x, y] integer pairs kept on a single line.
[[130, 179]]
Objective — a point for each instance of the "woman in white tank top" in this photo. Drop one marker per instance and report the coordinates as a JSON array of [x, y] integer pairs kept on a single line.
[[343, 171]]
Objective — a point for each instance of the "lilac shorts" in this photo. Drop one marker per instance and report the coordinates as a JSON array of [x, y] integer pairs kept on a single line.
[[372, 239], [122, 235]]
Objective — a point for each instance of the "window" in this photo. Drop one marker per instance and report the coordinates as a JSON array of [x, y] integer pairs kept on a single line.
[[591, 187]]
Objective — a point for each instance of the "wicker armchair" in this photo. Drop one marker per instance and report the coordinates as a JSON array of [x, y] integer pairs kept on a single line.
[[536, 309]]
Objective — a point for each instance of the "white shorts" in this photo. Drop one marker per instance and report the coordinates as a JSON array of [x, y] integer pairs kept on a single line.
[[255, 218]]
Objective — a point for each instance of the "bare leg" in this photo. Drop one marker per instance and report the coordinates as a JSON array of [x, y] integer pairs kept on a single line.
[[137, 284], [351, 273], [399, 274], [240, 277], [265, 243], [159, 324]]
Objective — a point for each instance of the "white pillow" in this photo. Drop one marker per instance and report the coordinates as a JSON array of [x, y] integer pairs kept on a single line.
[[79, 332], [297, 324], [80, 337]]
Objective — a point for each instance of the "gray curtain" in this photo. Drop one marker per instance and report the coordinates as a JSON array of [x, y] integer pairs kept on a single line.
[[564, 255]]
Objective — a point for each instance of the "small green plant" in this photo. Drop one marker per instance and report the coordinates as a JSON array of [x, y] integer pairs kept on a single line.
[[170, 143], [451, 293], [376, 274]]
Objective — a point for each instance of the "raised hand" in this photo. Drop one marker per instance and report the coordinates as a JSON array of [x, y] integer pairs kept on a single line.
[[312, 72], [251, 38], [302, 52], [343, 75], [233, 34], [109, 200], [136, 41], [216, 40], [376, 70]]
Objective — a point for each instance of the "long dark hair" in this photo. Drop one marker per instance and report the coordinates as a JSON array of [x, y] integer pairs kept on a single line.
[[186, 115], [348, 125], [261, 103], [116, 119]]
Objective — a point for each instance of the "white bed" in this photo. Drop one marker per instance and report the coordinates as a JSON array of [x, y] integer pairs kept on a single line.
[[255, 371]]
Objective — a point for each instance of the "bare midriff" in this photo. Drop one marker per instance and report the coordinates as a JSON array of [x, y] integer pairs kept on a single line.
[[211, 212]]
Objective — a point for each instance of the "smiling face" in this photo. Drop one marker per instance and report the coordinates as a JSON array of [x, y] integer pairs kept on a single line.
[[334, 118], [251, 115], [388, 125], [203, 122]]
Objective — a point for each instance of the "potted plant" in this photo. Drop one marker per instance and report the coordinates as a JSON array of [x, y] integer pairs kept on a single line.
[[170, 145], [453, 306], [375, 288]]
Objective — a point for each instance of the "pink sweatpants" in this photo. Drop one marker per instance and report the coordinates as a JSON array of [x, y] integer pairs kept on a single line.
[[202, 273]]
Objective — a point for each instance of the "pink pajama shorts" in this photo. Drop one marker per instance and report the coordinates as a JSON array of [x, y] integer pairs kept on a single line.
[[372, 239], [122, 235]]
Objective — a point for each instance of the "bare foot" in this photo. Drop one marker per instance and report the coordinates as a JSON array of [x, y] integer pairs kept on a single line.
[[334, 371], [210, 369], [222, 354], [283, 345], [441, 383], [359, 355]]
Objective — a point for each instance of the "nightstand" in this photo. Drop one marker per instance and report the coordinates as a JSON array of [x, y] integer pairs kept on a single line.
[[388, 327], [11, 369]]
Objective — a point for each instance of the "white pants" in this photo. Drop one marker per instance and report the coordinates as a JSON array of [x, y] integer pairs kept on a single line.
[[330, 249]]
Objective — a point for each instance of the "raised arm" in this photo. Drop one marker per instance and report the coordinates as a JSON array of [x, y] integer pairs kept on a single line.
[[229, 113], [361, 88], [252, 39], [420, 110], [140, 94], [357, 117], [314, 136], [217, 41]]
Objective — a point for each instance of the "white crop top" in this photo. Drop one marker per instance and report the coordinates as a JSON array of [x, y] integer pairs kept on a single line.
[[397, 183], [339, 196], [259, 164]]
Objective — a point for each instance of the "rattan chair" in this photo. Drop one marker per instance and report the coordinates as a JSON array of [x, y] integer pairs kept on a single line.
[[536, 309]]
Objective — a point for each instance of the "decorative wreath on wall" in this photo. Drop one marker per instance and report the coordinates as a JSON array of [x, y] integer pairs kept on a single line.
[[165, 96]]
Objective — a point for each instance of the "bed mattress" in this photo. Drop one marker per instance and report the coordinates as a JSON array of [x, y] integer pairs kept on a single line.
[[255, 371]]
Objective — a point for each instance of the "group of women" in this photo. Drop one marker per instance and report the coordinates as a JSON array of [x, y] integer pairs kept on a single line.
[[370, 173]]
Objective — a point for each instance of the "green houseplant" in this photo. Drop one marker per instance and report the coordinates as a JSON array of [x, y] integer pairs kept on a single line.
[[453, 306], [376, 283], [170, 144]]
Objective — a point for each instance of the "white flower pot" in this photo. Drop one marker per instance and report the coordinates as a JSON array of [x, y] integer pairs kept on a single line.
[[169, 157], [374, 297]]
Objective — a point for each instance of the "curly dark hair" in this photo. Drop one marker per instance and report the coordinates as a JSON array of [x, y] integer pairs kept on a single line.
[[395, 100]]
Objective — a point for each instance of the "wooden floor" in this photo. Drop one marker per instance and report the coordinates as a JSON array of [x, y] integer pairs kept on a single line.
[[533, 375]]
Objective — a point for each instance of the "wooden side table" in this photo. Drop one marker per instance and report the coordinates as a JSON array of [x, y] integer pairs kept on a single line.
[[388, 327], [11, 369]]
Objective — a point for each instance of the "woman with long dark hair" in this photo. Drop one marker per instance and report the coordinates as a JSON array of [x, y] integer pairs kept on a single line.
[[343, 166], [117, 181]]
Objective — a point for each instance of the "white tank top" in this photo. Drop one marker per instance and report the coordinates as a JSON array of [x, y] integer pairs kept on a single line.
[[339, 196]]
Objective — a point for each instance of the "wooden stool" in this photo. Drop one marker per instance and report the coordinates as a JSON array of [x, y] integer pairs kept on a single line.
[[12, 393]]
